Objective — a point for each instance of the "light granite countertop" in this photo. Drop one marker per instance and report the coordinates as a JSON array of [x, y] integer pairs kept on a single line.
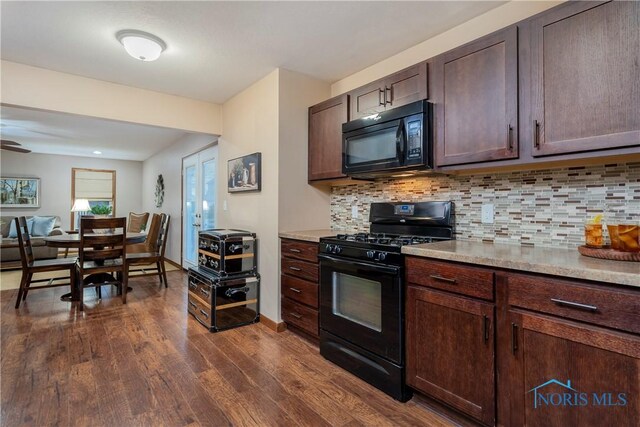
[[554, 261], [309, 235]]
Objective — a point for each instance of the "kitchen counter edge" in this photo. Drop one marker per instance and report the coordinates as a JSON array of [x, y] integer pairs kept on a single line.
[[552, 261], [308, 235]]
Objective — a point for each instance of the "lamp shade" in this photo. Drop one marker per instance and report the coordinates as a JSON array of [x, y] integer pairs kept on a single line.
[[140, 45], [81, 205]]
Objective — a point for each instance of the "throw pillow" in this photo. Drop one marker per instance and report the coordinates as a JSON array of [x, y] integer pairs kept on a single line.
[[42, 225], [13, 231]]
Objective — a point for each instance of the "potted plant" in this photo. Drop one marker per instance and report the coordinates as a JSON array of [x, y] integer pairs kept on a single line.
[[101, 210]]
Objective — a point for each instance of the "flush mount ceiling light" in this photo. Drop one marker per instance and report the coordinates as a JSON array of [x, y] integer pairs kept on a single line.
[[97, 152], [143, 46]]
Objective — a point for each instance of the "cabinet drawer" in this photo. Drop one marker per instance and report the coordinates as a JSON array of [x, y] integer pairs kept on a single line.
[[299, 268], [299, 250], [199, 309], [460, 279], [299, 290], [301, 316], [614, 308]]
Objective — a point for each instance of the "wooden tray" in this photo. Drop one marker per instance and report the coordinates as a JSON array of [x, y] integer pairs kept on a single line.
[[607, 253]]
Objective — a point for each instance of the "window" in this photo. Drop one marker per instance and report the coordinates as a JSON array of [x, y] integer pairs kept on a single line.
[[95, 185]]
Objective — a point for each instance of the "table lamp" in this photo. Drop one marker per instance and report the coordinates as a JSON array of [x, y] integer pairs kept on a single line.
[[80, 205]]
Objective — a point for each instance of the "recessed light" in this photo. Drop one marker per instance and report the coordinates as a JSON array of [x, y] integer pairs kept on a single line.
[[97, 152], [140, 45]]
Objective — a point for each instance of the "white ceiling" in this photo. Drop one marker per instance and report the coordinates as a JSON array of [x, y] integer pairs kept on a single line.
[[67, 134], [216, 49]]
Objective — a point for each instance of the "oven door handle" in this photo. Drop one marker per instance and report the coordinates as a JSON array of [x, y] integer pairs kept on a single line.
[[371, 266]]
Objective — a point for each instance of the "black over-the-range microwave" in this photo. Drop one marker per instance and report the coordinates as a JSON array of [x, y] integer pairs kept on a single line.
[[393, 143]]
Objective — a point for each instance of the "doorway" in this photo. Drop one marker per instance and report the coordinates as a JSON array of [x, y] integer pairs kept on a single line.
[[198, 201]]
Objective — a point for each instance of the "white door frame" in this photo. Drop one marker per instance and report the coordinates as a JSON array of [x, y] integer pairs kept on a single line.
[[189, 222]]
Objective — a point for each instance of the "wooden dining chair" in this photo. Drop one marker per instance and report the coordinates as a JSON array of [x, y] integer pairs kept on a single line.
[[30, 265], [137, 222], [103, 247], [155, 255]]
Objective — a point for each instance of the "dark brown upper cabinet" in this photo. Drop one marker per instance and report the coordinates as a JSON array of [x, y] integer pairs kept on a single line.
[[397, 89], [475, 92], [585, 78], [325, 138]]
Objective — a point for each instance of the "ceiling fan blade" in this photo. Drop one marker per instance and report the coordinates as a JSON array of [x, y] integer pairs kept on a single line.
[[13, 148], [7, 142]]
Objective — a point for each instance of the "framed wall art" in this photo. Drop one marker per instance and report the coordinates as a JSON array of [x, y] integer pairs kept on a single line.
[[244, 173], [19, 192]]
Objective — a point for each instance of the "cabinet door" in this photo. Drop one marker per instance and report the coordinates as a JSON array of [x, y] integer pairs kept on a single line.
[[585, 76], [477, 101], [401, 88], [450, 351], [367, 100], [406, 86], [566, 373], [325, 138]]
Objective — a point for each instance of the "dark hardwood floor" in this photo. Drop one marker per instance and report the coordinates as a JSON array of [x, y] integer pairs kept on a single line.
[[149, 363]]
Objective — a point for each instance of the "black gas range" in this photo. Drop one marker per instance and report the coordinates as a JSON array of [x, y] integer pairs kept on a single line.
[[362, 290], [378, 247]]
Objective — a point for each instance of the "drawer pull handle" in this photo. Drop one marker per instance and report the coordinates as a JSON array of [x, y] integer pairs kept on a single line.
[[204, 292], [295, 269], [577, 305], [231, 292], [296, 315], [296, 290], [204, 313], [193, 285], [514, 338], [297, 251], [443, 279], [192, 305]]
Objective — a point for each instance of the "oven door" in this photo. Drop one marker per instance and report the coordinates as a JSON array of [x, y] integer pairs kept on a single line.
[[362, 303]]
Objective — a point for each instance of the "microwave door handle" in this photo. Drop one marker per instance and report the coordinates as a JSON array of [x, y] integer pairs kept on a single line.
[[401, 142]]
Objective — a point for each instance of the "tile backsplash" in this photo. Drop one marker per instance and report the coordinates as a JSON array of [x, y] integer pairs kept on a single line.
[[542, 207]]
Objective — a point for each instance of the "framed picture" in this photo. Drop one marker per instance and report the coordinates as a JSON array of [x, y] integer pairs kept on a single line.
[[19, 192], [244, 173]]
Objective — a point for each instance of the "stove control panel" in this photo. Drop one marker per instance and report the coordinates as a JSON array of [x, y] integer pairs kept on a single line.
[[376, 255], [334, 249]]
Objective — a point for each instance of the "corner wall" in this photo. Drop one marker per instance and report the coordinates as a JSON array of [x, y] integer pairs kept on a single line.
[[301, 206], [271, 117], [168, 162], [251, 125]]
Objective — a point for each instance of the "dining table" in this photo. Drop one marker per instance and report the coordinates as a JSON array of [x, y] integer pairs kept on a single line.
[[72, 241]]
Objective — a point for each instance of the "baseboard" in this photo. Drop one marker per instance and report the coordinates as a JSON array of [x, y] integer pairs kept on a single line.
[[278, 327], [175, 264]]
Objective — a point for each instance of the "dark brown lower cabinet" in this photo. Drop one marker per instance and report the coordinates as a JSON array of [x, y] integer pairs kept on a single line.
[[565, 373], [450, 350], [299, 286]]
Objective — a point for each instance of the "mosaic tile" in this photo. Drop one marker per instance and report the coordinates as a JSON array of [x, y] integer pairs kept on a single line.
[[542, 208]]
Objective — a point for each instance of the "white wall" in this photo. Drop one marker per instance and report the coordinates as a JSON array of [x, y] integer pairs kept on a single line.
[[301, 206], [491, 21], [33, 87], [251, 125], [55, 181], [168, 162], [271, 117]]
